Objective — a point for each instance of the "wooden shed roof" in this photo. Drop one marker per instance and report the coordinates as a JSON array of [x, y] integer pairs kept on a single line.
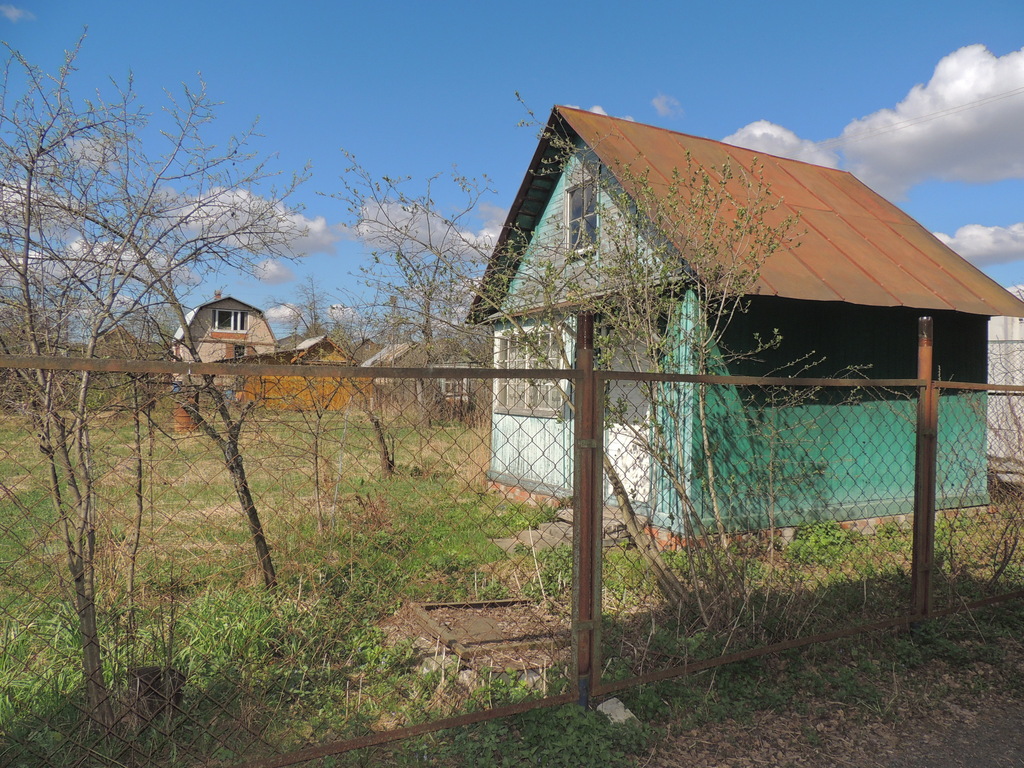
[[854, 245]]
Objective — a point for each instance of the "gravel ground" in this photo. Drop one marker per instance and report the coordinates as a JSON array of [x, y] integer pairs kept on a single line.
[[952, 737]]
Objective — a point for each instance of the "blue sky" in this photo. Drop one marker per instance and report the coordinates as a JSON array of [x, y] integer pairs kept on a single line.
[[924, 102]]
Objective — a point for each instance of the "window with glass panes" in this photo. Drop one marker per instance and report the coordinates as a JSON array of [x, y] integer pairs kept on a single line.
[[534, 350], [581, 214], [230, 320]]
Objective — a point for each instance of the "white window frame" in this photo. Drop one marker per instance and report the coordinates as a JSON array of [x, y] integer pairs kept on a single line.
[[454, 390], [237, 320], [535, 349]]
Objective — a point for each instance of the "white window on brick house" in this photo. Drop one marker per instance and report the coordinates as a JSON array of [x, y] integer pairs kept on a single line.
[[234, 320]]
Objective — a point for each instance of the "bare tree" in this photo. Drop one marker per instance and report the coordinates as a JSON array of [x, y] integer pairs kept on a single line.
[[101, 229], [312, 312], [426, 260]]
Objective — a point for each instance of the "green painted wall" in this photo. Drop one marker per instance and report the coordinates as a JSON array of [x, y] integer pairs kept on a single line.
[[784, 458]]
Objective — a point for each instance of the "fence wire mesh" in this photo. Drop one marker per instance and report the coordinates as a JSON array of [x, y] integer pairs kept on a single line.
[[757, 515], [197, 568], [978, 528], [200, 569]]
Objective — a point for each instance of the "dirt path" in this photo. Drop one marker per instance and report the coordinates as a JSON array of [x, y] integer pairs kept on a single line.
[[984, 732]]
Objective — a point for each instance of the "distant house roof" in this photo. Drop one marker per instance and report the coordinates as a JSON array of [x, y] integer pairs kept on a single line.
[[389, 355], [855, 247], [308, 351]]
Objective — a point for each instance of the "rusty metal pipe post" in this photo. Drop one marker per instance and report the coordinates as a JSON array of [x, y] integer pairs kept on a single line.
[[924, 477], [586, 531]]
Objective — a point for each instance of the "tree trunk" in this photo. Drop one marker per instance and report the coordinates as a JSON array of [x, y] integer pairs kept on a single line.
[[669, 585], [236, 468], [98, 696], [233, 460]]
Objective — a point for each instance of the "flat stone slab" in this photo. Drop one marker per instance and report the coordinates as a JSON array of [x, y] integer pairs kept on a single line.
[[491, 626], [559, 532], [544, 536]]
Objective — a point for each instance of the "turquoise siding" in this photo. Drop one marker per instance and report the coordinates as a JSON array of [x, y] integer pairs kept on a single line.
[[783, 459], [786, 466], [549, 274], [531, 452]]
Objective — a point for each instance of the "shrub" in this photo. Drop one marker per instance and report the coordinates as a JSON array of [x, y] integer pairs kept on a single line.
[[824, 543]]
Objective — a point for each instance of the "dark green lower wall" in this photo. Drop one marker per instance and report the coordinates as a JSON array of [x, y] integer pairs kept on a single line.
[[788, 464], [787, 457]]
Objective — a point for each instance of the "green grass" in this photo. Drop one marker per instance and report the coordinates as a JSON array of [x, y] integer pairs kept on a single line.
[[309, 660], [313, 661]]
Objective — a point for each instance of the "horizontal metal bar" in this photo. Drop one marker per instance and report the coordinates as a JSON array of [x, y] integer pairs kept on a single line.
[[1003, 388], [318, 371], [385, 737], [755, 381]]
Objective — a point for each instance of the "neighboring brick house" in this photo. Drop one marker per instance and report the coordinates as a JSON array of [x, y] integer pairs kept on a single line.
[[224, 329]]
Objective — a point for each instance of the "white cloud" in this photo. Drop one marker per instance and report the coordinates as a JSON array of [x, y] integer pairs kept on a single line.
[[985, 246], [282, 314], [963, 125], [413, 228], [765, 136], [15, 15], [343, 314], [273, 272], [493, 220], [315, 235], [667, 106]]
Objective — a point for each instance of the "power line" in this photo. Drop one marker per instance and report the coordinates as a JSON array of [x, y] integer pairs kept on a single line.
[[898, 126]]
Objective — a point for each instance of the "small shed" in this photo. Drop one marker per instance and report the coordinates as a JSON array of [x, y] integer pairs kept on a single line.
[[460, 398], [1006, 408], [845, 297], [298, 392]]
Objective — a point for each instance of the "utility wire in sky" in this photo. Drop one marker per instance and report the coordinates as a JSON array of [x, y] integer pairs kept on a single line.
[[898, 126]]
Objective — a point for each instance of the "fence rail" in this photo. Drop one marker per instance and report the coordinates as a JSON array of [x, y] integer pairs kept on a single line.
[[226, 564]]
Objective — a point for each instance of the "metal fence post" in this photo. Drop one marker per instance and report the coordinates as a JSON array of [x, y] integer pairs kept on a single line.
[[586, 532], [924, 476]]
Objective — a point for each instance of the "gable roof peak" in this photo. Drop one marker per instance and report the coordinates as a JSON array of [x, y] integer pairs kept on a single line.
[[854, 245]]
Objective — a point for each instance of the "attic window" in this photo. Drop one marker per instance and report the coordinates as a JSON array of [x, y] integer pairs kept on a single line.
[[230, 320], [581, 214]]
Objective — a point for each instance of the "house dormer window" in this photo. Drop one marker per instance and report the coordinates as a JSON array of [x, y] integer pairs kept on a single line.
[[233, 320], [581, 214]]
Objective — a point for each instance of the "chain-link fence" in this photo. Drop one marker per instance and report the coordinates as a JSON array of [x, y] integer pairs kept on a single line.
[[265, 564]]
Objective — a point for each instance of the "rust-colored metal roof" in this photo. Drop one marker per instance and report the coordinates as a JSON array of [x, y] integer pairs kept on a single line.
[[854, 246]]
